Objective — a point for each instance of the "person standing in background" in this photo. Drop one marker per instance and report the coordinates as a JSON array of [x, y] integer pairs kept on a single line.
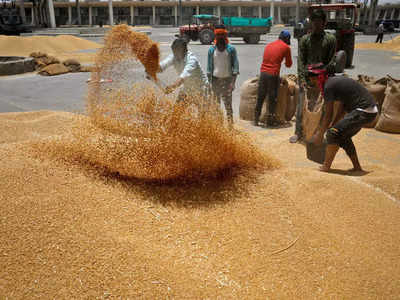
[[222, 69]]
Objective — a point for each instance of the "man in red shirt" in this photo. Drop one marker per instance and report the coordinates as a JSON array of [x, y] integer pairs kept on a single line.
[[269, 81]]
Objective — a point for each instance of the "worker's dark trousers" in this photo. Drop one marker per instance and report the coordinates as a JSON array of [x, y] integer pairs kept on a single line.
[[267, 84], [312, 96], [222, 91], [342, 132], [379, 38]]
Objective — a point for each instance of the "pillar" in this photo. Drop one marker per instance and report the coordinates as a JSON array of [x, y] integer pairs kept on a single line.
[[239, 11], [132, 15], [176, 15], [384, 15], [219, 11], [90, 16], [272, 13], [197, 10], [297, 12], [260, 12], [154, 15], [392, 14], [51, 13], [32, 16], [279, 15], [69, 15], [110, 13]]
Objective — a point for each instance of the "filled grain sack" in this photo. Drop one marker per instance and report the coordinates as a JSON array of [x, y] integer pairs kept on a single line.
[[293, 97], [248, 100], [376, 87], [312, 111], [72, 64], [389, 119], [54, 69]]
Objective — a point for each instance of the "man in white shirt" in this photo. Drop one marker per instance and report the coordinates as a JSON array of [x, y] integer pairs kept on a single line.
[[222, 70], [380, 31], [186, 64]]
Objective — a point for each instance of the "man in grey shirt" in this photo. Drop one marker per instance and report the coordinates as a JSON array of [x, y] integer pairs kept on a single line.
[[186, 64]]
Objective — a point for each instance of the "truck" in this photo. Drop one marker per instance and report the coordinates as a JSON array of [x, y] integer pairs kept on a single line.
[[11, 21], [202, 28], [341, 21]]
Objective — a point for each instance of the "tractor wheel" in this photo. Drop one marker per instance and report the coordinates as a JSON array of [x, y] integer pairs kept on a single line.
[[340, 61], [254, 39], [206, 36], [349, 48]]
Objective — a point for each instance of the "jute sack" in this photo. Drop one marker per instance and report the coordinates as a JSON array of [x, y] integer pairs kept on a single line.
[[312, 111], [248, 100], [292, 99], [54, 69], [389, 120], [378, 92]]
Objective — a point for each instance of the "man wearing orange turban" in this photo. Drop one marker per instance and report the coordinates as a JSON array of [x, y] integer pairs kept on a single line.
[[222, 69]]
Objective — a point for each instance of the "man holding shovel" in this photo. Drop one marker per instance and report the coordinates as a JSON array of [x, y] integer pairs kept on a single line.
[[360, 109], [186, 64]]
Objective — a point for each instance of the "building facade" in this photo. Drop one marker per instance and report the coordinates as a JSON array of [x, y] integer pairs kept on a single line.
[[168, 12]]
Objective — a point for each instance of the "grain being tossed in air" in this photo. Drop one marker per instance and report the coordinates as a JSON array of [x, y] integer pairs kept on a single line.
[[132, 128]]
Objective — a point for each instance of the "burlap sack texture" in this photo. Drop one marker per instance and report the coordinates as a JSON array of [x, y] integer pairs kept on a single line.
[[389, 120], [312, 111], [248, 99], [377, 88], [44, 63], [53, 69]]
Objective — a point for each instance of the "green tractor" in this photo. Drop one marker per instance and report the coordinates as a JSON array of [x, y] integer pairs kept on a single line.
[[202, 28], [341, 21]]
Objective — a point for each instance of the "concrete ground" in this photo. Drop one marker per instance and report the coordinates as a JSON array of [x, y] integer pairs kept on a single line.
[[67, 92]]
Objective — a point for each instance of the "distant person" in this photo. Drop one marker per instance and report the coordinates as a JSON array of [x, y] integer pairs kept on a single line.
[[359, 108], [269, 81], [186, 64], [379, 30], [222, 69], [316, 47]]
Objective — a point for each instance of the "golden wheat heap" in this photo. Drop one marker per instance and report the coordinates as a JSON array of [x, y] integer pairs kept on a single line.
[[132, 128]]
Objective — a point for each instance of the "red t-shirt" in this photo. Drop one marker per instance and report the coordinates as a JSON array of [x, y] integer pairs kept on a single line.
[[274, 54]]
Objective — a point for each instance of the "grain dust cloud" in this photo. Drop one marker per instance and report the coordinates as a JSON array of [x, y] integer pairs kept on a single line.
[[133, 129]]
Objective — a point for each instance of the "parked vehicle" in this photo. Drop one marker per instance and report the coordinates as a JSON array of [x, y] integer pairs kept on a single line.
[[202, 28], [11, 21], [341, 21]]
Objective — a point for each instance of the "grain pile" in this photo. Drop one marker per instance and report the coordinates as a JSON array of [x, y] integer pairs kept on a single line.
[[135, 130], [391, 45], [71, 229], [62, 47], [67, 232]]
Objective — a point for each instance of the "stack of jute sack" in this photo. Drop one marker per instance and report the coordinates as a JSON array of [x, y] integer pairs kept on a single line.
[[50, 66], [386, 92], [286, 106]]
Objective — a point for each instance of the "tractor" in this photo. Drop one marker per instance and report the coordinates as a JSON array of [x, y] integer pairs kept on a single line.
[[202, 28], [10, 20], [341, 21]]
